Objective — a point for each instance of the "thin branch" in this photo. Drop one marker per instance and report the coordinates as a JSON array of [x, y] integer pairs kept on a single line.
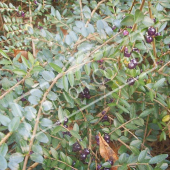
[[132, 6], [94, 10], [9, 90], [82, 17], [38, 118]]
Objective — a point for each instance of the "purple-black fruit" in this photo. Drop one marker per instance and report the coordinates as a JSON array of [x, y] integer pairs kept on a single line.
[[151, 31], [76, 147], [131, 65], [131, 81], [148, 39]]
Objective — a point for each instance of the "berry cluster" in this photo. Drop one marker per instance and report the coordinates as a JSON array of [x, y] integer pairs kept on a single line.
[[151, 33], [105, 117], [85, 94], [84, 152]]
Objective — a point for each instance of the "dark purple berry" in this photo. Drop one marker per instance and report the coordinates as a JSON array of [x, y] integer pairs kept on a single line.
[[31, 152], [105, 118], [97, 137], [149, 39], [125, 32], [99, 167], [151, 31], [157, 34], [136, 50], [65, 120], [134, 61], [129, 27], [76, 147], [73, 164], [106, 137], [131, 65], [110, 161], [154, 20], [35, 2], [88, 96], [66, 126], [114, 27], [86, 151], [22, 14], [100, 61], [83, 156], [58, 122], [127, 54], [131, 81], [103, 112], [111, 100], [23, 99], [108, 140], [169, 45]]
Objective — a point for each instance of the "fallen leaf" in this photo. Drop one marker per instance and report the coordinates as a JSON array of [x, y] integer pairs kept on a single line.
[[23, 53], [106, 151]]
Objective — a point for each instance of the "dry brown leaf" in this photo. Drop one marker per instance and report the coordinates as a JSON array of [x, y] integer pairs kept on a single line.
[[106, 151], [23, 53]]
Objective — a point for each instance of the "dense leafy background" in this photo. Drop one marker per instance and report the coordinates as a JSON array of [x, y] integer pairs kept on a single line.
[[77, 45]]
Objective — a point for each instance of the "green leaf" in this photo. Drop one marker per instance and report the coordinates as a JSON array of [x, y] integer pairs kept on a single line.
[[122, 108], [147, 21], [31, 58], [63, 156], [14, 124], [3, 163], [56, 129], [60, 114], [55, 67], [65, 82], [98, 55], [146, 112], [58, 15], [19, 72], [54, 153], [76, 127], [75, 134], [106, 165], [36, 158], [128, 21], [37, 68], [46, 122], [25, 61], [71, 79], [142, 155], [157, 159], [159, 83], [3, 149], [42, 137], [138, 16], [119, 117], [167, 40]]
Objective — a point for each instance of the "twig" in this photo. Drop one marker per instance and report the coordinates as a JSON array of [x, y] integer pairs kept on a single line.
[[9, 90], [5, 138], [141, 7], [38, 117], [94, 10], [132, 6], [82, 17], [146, 128]]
